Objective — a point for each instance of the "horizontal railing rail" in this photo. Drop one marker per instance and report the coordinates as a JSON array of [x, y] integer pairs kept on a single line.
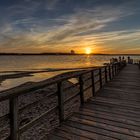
[[103, 73]]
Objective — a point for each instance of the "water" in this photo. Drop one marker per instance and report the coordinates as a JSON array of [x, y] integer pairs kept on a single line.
[[17, 63], [9, 64]]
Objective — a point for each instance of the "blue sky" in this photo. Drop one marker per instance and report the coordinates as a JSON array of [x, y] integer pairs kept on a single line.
[[105, 26]]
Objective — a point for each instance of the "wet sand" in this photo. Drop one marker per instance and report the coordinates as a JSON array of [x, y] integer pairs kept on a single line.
[[9, 75]]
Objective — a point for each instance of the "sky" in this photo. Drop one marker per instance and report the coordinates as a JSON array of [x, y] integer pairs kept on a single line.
[[36, 26]]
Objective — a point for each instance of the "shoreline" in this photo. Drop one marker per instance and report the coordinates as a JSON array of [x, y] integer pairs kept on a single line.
[[25, 74]]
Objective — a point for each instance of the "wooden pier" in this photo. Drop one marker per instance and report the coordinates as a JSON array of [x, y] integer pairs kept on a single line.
[[107, 99], [113, 114]]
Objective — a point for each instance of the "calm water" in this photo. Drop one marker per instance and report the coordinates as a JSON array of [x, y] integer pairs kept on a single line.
[[8, 64], [14, 63]]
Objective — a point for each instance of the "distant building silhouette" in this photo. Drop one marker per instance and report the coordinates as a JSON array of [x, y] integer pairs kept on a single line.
[[72, 52]]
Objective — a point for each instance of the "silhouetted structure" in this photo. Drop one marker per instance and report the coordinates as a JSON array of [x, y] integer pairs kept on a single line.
[[72, 52]]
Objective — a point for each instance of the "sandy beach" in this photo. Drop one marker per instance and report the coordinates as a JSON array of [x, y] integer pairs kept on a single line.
[[33, 104]]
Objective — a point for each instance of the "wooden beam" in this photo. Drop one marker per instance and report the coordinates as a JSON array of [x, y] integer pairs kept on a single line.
[[13, 105]]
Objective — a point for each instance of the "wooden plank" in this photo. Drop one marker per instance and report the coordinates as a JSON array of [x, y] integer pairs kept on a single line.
[[105, 126], [85, 132], [127, 117], [112, 109], [115, 105], [126, 92], [117, 102], [84, 115], [63, 133], [106, 134], [120, 95], [128, 109], [121, 89], [111, 116], [54, 137], [124, 86]]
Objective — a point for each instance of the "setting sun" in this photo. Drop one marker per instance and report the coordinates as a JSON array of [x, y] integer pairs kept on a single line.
[[88, 50]]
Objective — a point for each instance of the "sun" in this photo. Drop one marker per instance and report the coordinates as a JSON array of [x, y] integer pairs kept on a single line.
[[88, 50]]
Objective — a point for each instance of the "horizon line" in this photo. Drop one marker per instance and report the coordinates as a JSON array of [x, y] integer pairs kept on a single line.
[[61, 53]]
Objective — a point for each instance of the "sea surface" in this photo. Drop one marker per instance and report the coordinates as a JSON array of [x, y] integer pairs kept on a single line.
[[12, 64]]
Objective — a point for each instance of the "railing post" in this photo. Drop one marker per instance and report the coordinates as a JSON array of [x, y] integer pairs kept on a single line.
[[13, 105], [119, 65], [100, 77], [81, 82], [60, 102], [112, 70], [116, 69], [93, 83], [106, 74], [109, 72]]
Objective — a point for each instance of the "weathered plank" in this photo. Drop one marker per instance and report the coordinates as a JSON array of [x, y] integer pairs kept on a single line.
[[101, 119]]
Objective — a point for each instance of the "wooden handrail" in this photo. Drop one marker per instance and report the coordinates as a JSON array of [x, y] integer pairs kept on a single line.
[[4, 95], [137, 62], [12, 95]]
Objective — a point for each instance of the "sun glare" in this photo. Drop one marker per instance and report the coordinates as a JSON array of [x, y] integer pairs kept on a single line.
[[88, 50]]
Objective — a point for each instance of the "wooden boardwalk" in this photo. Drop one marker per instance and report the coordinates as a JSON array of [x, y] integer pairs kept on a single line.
[[114, 114]]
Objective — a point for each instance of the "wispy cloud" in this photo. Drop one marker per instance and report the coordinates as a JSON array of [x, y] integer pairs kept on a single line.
[[84, 21], [76, 29]]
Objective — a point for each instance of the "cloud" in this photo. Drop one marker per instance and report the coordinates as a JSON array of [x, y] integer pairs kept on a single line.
[[80, 28], [50, 4], [84, 21]]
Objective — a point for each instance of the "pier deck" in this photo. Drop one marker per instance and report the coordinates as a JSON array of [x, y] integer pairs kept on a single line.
[[114, 113]]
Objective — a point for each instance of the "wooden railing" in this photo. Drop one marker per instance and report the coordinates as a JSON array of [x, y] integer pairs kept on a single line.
[[104, 74], [136, 61], [139, 64]]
